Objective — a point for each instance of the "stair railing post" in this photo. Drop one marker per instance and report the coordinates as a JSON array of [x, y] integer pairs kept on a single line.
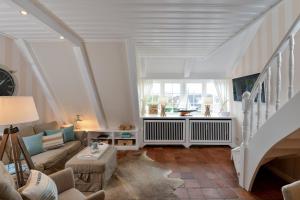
[[268, 92], [251, 118], [246, 105], [258, 106], [291, 66], [278, 80]]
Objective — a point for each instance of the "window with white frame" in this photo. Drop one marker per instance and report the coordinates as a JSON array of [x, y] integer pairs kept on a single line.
[[184, 94]]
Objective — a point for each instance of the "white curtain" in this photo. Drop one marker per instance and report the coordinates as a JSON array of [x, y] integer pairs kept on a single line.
[[145, 88], [222, 88]]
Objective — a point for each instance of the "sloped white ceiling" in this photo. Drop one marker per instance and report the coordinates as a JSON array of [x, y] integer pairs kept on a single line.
[[169, 24], [160, 28]]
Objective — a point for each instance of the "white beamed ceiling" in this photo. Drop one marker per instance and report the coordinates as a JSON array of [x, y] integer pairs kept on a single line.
[[158, 26], [202, 25], [15, 25]]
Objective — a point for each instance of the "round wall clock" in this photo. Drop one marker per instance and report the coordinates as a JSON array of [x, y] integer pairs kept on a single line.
[[7, 83]]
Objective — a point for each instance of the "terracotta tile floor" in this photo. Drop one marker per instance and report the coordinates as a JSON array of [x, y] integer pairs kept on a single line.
[[208, 173]]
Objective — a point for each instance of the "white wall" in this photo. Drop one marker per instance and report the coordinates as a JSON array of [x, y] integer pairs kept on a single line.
[[110, 71], [27, 83], [110, 68], [58, 63]]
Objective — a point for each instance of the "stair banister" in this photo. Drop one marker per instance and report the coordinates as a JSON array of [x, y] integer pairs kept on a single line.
[[278, 79], [282, 45], [291, 66], [268, 92], [246, 121], [258, 106], [248, 100]]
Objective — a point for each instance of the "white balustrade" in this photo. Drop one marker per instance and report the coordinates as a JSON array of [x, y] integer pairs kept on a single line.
[[246, 104], [278, 80], [265, 79], [291, 66], [258, 106], [251, 117], [268, 92]]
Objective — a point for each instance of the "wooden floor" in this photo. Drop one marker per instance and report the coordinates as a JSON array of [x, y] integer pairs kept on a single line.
[[208, 173]]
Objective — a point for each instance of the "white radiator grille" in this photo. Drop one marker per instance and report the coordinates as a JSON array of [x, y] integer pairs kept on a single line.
[[164, 131], [210, 131]]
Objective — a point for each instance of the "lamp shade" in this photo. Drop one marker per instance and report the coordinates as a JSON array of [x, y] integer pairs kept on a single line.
[[208, 100], [17, 110]]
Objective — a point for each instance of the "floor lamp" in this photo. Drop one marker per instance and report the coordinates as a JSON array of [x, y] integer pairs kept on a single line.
[[16, 110]]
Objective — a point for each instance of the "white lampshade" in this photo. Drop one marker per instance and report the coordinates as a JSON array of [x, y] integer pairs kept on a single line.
[[17, 110], [208, 100]]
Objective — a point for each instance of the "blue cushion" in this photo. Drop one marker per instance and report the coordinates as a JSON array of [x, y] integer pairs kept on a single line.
[[52, 132], [34, 144], [69, 134]]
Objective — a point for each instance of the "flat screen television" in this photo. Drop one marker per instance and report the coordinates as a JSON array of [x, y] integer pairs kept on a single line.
[[243, 84]]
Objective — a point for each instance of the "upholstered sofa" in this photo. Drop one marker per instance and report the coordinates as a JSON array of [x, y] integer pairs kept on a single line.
[[64, 181], [52, 160]]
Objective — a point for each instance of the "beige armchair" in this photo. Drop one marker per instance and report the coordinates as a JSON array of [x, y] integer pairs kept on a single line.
[[64, 181], [291, 191]]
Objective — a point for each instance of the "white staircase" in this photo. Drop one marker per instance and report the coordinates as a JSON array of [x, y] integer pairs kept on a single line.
[[266, 138]]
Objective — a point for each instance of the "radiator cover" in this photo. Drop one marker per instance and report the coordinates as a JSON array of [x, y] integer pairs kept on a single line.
[[187, 132], [210, 131], [165, 131]]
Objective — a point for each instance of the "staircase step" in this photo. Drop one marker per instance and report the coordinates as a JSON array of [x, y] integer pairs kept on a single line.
[[281, 152], [266, 160], [289, 144], [294, 136]]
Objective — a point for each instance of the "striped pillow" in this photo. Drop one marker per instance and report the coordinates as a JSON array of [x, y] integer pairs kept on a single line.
[[53, 141], [39, 187]]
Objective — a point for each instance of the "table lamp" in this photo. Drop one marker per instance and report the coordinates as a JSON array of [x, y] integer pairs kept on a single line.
[[207, 102], [163, 104], [16, 110]]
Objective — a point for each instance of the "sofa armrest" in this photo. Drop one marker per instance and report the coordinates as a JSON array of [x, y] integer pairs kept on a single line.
[[97, 196], [64, 180], [81, 136], [291, 191]]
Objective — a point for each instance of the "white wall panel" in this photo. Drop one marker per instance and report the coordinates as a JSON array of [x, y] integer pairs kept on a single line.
[[109, 64], [58, 63]]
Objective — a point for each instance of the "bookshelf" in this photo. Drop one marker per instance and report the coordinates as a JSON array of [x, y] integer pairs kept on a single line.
[[121, 139]]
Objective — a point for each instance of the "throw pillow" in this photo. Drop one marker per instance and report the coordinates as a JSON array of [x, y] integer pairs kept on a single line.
[[69, 134], [7, 185], [51, 132], [34, 144], [39, 187], [53, 141]]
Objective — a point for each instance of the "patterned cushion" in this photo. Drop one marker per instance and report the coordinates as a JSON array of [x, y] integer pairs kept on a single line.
[[53, 141], [39, 187]]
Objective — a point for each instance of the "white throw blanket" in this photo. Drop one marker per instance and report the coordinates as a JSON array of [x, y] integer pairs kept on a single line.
[[86, 153]]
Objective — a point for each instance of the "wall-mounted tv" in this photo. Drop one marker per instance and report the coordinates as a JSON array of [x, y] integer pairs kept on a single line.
[[243, 84]]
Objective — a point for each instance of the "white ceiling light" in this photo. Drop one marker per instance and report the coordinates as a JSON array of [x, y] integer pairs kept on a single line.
[[61, 37], [24, 12]]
